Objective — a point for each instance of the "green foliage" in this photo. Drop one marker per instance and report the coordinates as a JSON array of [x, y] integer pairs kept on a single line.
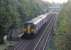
[[17, 12], [63, 35], [8, 15]]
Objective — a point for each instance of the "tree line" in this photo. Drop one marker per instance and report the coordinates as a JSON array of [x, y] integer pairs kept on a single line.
[[16, 12], [62, 37]]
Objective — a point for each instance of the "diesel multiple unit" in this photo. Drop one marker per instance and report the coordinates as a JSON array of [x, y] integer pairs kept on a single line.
[[33, 26]]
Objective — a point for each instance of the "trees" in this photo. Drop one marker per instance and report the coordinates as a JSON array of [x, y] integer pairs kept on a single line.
[[8, 15], [16, 12], [62, 36]]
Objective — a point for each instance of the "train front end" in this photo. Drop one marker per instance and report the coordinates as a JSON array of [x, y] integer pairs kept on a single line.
[[29, 30]]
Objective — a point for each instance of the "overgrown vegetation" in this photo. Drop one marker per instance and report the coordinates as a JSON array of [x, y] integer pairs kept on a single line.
[[63, 35], [15, 12]]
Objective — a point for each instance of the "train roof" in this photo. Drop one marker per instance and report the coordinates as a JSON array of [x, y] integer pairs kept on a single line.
[[38, 18]]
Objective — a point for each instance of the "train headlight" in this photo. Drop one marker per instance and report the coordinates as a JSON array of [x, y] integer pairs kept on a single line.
[[32, 30]]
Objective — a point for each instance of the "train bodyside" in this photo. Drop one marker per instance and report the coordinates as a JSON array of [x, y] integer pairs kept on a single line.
[[42, 21]]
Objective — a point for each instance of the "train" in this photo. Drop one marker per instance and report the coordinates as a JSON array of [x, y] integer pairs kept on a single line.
[[32, 27]]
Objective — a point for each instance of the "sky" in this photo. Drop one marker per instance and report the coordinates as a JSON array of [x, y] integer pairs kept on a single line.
[[55, 1]]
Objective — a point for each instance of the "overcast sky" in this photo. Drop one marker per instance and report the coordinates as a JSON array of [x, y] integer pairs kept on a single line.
[[55, 1]]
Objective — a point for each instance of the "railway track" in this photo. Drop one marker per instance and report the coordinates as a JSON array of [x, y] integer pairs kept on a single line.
[[45, 38], [50, 36], [39, 43]]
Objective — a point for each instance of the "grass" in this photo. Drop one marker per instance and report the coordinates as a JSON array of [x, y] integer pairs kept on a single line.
[[2, 46], [63, 34]]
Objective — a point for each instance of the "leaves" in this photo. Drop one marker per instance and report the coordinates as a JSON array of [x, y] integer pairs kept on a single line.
[[63, 35], [17, 12]]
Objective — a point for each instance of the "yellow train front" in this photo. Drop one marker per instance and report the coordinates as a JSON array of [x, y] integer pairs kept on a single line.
[[29, 30]]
